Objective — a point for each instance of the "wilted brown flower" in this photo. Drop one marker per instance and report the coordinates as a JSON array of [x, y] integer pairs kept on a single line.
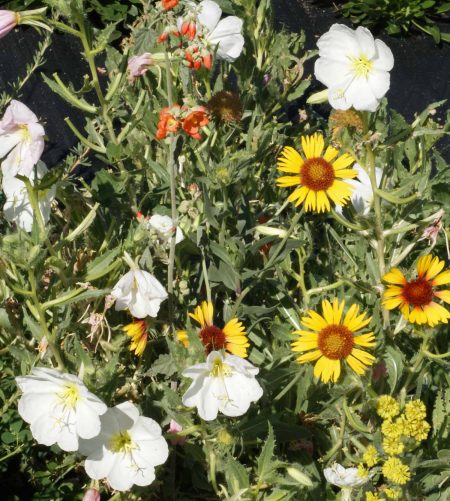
[[341, 119], [226, 106]]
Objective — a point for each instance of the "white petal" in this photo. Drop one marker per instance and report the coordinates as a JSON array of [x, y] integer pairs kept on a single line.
[[228, 37], [7, 142], [331, 72], [99, 464], [121, 473], [88, 422], [385, 59], [379, 82], [209, 14], [360, 95], [32, 406], [365, 41]]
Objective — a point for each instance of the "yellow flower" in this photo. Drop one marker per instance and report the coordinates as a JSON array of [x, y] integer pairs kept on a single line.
[[333, 340], [137, 330], [370, 457], [393, 445], [415, 410], [183, 338], [392, 429], [317, 177], [232, 337], [395, 471], [391, 493], [363, 472], [372, 496], [414, 298], [387, 407]]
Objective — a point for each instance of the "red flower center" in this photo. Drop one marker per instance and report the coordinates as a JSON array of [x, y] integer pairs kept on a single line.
[[212, 338], [418, 292], [335, 341], [317, 174]]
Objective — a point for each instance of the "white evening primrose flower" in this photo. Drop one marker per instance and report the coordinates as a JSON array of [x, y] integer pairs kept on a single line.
[[344, 477], [140, 292], [362, 195], [127, 449], [225, 34], [21, 140], [17, 208], [224, 383], [59, 408], [354, 66], [165, 228]]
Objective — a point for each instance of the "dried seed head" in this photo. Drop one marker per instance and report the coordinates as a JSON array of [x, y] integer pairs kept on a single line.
[[226, 106]]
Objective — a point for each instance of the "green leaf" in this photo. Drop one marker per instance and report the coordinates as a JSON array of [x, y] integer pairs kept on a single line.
[[101, 265], [394, 366], [265, 463], [236, 476]]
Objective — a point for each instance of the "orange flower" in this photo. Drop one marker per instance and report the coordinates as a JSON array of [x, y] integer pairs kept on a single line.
[[167, 122], [194, 120], [169, 4], [189, 29]]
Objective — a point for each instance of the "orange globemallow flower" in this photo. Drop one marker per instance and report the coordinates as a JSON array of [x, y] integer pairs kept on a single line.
[[167, 122], [169, 4], [232, 337], [415, 297], [194, 120]]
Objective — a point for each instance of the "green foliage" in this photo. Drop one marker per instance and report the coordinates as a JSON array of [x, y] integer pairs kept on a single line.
[[399, 17]]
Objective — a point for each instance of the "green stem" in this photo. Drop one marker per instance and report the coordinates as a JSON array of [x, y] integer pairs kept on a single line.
[[436, 356], [413, 371], [345, 222], [43, 322], [173, 201], [205, 278], [379, 231]]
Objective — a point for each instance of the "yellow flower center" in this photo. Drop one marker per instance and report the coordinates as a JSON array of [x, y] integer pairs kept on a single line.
[[335, 342], [361, 65], [317, 174], [121, 442], [26, 136], [70, 395], [219, 369]]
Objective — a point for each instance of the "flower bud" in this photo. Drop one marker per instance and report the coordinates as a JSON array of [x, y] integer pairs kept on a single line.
[[91, 495], [8, 21]]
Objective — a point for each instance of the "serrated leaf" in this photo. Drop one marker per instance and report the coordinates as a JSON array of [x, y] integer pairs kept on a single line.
[[265, 463], [163, 365], [236, 476]]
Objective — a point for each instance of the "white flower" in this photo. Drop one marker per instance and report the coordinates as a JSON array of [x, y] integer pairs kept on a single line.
[[59, 408], [344, 477], [226, 384], [226, 34], [21, 140], [354, 67], [362, 195], [139, 292], [163, 225], [17, 207], [127, 450]]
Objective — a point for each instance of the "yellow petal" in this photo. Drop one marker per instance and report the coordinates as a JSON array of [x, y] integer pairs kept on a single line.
[[330, 154], [335, 366], [309, 357], [442, 279], [342, 162], [436, 267], [444, 295], [393, 303], [290, 161], [314, 321], [395, 276], [286, 181], [322, 369], [423, 263], [310, 202], [367, 340]]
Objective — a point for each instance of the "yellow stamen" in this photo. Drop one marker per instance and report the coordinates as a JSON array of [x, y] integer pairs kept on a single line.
[[362, 65], [70, 395], [121, 442]]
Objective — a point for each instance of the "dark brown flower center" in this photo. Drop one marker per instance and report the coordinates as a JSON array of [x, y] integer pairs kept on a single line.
[[335, 341], [212, 338], [418, 292], [317, 174]]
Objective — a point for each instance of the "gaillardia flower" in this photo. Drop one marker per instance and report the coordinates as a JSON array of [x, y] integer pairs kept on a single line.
[[59, 408], [232, 337], [332, 340], [137, 330], [317, 177], [415, 297]]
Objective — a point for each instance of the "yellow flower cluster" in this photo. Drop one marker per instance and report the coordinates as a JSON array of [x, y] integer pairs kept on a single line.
[[411, 423], [387, 407], [363, 472], [396, 471], [372, 496], [391, 493], [370, 457]]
